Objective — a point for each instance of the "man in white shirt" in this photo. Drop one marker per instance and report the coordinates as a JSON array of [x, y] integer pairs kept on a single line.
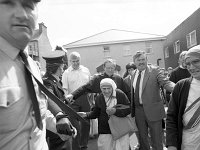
[[73, 78], [19, 129]]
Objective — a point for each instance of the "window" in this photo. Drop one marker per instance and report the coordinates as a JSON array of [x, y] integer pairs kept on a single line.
[[36, 49], [127, 50], [106, 50], [191, 39], [166, 52], [33, 49], [148, 48], [30, 50], [177, 47]]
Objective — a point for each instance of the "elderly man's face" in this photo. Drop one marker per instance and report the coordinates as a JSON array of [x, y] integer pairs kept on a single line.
[[193, 66], [18, 21], [109, 68]]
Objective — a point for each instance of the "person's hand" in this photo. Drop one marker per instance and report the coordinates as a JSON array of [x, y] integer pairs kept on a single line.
[[69, 98], [64, 126], [82, 114], [74, 132], [110, 111], [171, 148]]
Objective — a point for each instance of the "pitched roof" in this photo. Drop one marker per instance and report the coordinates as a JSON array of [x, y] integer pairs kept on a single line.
[[113, 36]]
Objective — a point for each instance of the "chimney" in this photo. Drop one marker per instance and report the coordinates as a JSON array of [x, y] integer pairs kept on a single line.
[[42, 28]]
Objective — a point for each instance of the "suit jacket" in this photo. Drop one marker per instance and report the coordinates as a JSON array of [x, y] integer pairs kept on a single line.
[[52, 83], [128, 81], [152, 102]]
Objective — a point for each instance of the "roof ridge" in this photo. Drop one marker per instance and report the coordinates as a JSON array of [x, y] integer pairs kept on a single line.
[[138, 32], [110, 30]]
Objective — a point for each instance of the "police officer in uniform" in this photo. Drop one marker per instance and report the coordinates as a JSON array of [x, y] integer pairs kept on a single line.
[[51, 79]]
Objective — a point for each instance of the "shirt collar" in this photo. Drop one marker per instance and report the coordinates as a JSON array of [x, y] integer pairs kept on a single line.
[[72, 69], [106, 75], [8, 49], [182, 67], [142, 72]]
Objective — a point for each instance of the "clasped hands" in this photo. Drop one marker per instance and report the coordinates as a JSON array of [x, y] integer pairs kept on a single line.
[[110, 111]]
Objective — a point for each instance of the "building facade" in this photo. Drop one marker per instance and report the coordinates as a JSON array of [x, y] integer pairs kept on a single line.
[[39, 45], [119, 45], [183, 37]]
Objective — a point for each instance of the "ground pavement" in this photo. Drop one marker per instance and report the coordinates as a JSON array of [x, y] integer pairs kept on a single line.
[[93, 143]]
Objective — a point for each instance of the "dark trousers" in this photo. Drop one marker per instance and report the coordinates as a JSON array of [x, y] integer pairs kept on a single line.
[[56, 143], [80, 142], [145, 127]]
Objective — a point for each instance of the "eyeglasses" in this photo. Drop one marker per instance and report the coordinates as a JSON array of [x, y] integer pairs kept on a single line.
[[195, 63]]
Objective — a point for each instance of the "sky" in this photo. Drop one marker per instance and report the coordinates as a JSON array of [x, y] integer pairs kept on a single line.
[[71, 20]]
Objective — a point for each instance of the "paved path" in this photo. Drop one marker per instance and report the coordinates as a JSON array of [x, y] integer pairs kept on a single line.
[[93, 143]]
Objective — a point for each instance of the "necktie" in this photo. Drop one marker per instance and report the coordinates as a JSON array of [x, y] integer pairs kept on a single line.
[[137, 89], [31, 89]]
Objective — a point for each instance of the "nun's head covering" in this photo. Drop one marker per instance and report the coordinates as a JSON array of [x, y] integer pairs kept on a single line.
[[194, 51], [109, 82]]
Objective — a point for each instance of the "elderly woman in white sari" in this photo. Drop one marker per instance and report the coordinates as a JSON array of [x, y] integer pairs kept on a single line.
[[104, 107], [183, 115]]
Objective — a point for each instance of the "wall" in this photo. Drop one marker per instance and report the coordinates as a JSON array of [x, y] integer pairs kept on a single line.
[[179, 33], [93, 56]]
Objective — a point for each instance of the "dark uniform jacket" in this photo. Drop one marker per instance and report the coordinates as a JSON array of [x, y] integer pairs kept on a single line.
[[176, 108], [56, 86], [55, 142]]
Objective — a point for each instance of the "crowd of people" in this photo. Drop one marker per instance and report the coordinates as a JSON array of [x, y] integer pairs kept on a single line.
[[31, 120]]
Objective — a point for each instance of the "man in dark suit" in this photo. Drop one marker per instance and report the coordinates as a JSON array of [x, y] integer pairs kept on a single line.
[[149, 109]]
